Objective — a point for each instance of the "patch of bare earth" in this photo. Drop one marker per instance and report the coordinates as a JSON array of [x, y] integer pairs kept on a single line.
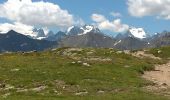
[[160, 76]]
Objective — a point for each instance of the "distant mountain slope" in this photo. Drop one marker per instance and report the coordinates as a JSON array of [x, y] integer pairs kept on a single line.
[[130, 43], [87, 40], [134, 38], [86, 36], [162, 39], [81, 36], [56, 37], [13, 41], [138, 33]]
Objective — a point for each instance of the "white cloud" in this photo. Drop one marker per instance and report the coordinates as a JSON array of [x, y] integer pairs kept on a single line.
[[18, 27], [98, 18], [36, 13], [114, 26], [79, 21], [158, 8], [116, 14]]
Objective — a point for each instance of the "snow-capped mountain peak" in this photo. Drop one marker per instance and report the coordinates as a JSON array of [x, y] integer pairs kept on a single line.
[[75, 30], [47, 32], [41, 33], [70, 28], [86, 29], [138, 33]]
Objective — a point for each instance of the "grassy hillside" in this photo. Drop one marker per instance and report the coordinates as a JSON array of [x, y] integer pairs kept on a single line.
[[74, 74], [163, 52]]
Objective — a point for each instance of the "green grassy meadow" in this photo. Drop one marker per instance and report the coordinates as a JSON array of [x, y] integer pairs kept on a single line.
[[76, 74]]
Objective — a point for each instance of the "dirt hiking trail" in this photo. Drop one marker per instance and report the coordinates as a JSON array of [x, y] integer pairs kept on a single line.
[[160, 76]]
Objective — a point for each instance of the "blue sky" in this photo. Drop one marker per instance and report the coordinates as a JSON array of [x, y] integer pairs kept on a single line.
[[85, 8]]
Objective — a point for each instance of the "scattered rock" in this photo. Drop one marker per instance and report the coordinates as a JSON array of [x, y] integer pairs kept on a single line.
[[15, 70], [111, 52], [57, 92], [38, 89], [98, 59], [86, 64], [159, 51], [100, 92], [60, 84], [79, 62], [33, 51], [8, 87], [119, 52], [81, 93], [6, 95], [22, 90], [71, 52], [44, 72], [89, 53], [73, 62], [126, 51], [126, 66], [54, 49], [74, 49], [64, 87]]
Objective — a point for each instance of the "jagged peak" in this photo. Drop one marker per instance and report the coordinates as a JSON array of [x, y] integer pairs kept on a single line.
[[138, 32], [76, 30]]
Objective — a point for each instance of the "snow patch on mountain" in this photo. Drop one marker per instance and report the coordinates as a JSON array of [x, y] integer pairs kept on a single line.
[[75, 30], [46, 31], [69, 29], [40, 33], [88, 29], [117, 42], [40, 38], [138, 33]]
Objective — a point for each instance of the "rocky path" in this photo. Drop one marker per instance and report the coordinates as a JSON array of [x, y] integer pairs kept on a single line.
[[161, 79], [160, 76]]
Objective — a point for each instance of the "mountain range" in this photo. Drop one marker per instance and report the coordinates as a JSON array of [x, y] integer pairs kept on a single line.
[[84, 36], [13, 42]]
